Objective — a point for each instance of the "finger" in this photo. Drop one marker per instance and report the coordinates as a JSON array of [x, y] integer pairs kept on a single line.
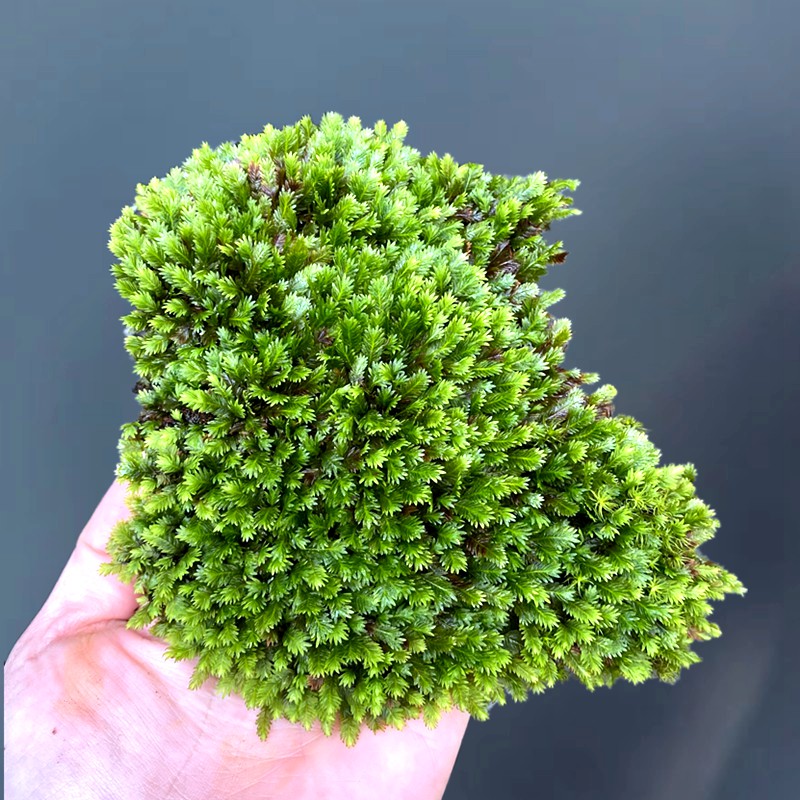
[[82, 596]]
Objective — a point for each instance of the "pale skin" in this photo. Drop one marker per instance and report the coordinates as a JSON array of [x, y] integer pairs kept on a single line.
[[94, 710]]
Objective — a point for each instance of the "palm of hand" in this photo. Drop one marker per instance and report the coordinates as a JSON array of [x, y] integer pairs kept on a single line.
[[94, 710]]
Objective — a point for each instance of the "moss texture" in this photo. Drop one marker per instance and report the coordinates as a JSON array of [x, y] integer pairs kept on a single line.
[[363, 486]]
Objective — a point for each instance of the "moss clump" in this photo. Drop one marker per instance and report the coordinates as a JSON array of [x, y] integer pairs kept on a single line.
[[362, 485]]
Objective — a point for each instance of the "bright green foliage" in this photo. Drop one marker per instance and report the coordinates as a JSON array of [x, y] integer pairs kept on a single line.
[[362, 485]]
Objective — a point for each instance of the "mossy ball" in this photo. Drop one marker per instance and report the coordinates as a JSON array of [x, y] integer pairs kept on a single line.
[[362, 486]]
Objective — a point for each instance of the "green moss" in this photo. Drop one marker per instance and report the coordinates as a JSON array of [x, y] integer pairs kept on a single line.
[[362, 484]]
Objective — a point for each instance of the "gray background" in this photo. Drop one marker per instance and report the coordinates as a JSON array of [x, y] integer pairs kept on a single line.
[[681, 120]]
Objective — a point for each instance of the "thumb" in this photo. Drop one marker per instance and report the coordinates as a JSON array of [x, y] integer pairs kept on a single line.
[[82, 596]]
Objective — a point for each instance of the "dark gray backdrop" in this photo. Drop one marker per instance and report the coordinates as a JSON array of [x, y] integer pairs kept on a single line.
[[681, 120]]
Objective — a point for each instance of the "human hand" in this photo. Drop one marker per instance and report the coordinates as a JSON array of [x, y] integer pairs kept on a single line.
[[94, 710]]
